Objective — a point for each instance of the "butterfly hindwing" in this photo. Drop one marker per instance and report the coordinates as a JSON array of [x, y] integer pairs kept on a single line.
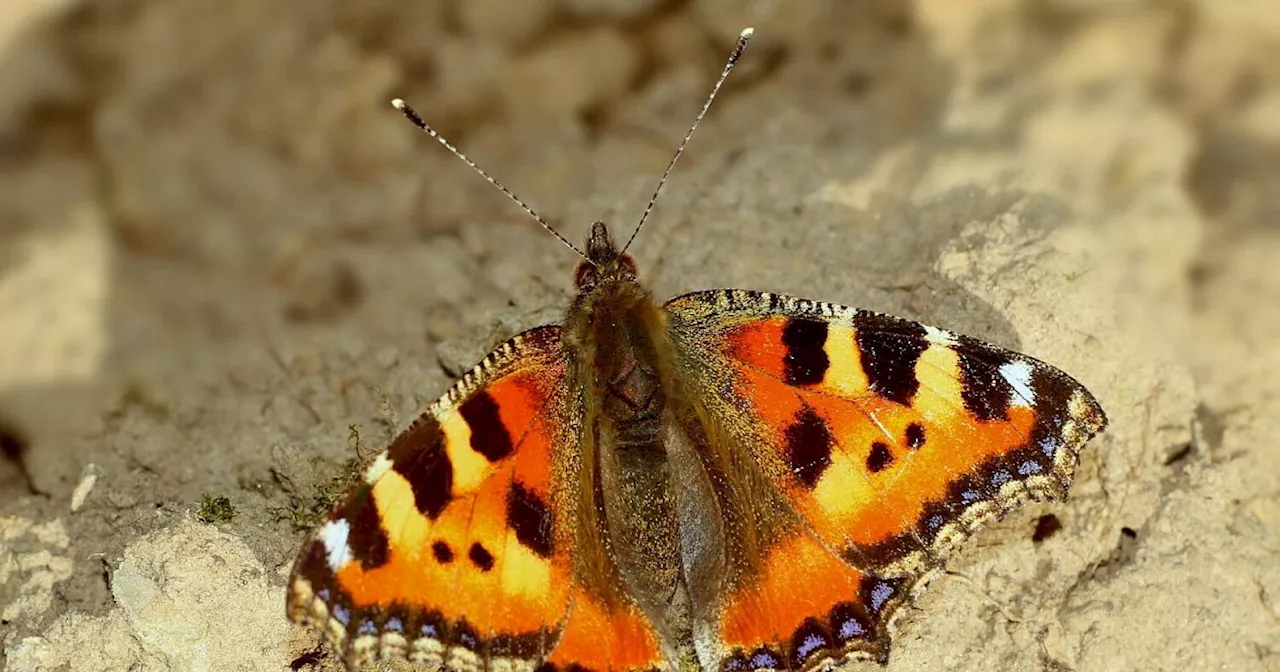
[[457, 549], [803, 607], [888, 440]]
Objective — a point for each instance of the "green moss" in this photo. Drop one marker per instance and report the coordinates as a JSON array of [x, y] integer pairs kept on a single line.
[[215, 510], [306, 513]]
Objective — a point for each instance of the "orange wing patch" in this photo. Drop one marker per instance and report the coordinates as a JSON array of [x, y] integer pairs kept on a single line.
[[805, 608], [451, 552], [893, 440], [601, 639]]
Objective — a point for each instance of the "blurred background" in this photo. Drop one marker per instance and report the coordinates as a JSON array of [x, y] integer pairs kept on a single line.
[[220, 247]]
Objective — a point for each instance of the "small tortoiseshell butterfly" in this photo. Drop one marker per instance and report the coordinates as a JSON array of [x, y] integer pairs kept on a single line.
[[732, 480]]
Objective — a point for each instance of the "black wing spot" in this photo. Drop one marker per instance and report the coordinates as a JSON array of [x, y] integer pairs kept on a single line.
[[442, 551], [809, 444], [489, 436], [985, 392], [915, 436], [480, 557], [879, 458], [890, 349], [367, 540], [419, 456], [531, 519], [806, 360]]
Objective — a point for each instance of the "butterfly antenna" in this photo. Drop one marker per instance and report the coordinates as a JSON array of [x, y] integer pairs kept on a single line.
[[734, 55], [426, 128]]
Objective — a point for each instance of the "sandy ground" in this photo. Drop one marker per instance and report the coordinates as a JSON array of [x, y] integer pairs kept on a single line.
[[220, 249]]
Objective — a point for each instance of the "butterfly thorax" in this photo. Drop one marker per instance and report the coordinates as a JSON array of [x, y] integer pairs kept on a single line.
[[615, 333], [616, 341]]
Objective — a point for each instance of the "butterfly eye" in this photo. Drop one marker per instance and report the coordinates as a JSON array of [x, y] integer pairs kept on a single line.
[[627, 264], [585, 276]]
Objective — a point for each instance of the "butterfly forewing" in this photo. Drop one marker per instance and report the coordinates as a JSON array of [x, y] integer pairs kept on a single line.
[[449, 552], [891, 439]]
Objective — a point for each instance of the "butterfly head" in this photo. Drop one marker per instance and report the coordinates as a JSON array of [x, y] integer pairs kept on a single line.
[[605, 264]]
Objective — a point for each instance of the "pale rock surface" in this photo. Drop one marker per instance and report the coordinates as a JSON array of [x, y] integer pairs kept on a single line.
[[188, 598]]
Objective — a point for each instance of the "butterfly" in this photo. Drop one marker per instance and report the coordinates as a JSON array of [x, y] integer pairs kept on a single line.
[[732, 480]]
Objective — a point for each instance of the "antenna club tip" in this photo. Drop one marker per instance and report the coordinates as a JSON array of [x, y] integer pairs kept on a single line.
[[397, 103], [746, 33]]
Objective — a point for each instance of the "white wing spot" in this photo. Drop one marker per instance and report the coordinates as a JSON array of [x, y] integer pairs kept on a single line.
[[379, 467], [939, 336], [334, 535], [1018, 375]]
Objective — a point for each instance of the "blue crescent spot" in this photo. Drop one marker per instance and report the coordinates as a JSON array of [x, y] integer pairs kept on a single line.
[[970, 496], [764, 659], [810, 644], [366, 628], [1049, 446], [1000, 477], [880, 594], [1029, 467], [850, 629], [395, 624], [340, 612]]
